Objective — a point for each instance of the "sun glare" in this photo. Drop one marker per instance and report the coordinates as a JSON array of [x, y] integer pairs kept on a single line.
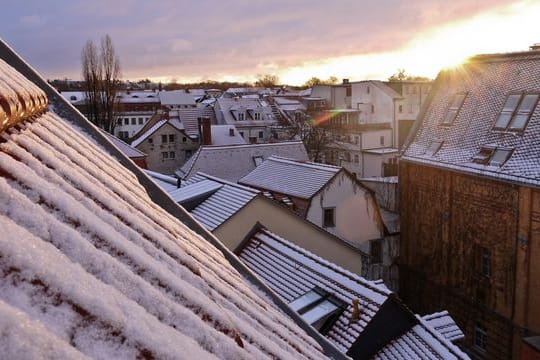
[[509, 28]]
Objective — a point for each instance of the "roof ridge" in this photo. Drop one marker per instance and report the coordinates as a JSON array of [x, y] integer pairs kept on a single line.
[[226, 182], [311, 164]]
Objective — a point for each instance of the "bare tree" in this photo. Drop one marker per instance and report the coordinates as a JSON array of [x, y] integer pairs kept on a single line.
[[267, 80], [101, 74]]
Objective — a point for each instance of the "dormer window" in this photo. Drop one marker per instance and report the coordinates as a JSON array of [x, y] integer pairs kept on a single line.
[[318, 308], [257, 116], [241, 116], [492, 156], [453, 109], [516, 112]]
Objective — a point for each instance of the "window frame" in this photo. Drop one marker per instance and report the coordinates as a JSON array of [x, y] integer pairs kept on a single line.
[[308, 308], [485, 156], [515, 112], [324, 217], [450, 107]]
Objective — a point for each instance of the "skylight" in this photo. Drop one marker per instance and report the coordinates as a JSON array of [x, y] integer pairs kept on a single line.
[[492, 156], [318, 308], [433, 147], [516, 112], [453, 108]]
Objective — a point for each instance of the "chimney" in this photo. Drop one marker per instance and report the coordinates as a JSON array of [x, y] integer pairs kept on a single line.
[[345, 81], [534, 47], [205, 130], [231, 132]]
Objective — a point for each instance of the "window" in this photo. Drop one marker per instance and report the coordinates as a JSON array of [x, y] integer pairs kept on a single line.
[[356, 158], [356, 140], [329, 217], [261, 134], [241, 116], [118, 121], [433, 147], [480, 337], [372, 108], [257, 116], [318, 308], [133, 121], [516, 112], [400, 109], [381, 140], [123, 135], [164, 155], [368, 90], [172, 155], [126, 121], [184, 139], [492, 156], [171, 138], [241, 133], [257, 160], [73, 98], [453, 109], [141, 121], [163, 139], [150, 141], [485, 261], [348, 91], [375, 250]]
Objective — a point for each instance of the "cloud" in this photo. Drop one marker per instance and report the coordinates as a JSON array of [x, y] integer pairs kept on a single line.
[[215, 38]]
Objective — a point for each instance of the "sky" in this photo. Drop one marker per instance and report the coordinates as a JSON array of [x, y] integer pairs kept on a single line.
[[236, 40]]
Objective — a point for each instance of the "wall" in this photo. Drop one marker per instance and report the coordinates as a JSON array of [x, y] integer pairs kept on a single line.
[[382, 102], [372, 139], [155, 161], [286, 224], [445, 218], [356, 214]]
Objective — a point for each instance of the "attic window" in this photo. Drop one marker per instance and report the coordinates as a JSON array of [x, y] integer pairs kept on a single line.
[[257, 116], [516, 112], [492, 156], [329, 217], [453, 109], [241, 116], [433, 148], [318, 308], [257, 160]]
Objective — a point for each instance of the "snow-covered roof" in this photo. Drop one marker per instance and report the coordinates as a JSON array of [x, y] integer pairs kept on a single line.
[[292, 271], [231, 107], [176, 97], [234, 161], [226, 199], [486, 81], [195, 190], [166, 182], [91, 267], [221, 135], [444, 324], [127, 149], [381, 151], [149, 132], [287, 176]]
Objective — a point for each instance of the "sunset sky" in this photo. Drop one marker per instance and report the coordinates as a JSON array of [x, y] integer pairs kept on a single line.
[[294, 39]]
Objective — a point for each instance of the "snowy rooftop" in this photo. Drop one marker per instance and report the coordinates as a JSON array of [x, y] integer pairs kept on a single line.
[[225, 199], [292, 271], [234, 161], [176, 97], [296, 178], [91, 267], [127, 149], [487, 81], [221, 135]]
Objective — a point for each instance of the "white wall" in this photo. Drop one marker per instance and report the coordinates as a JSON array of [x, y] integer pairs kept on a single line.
[[356, 214], [383, 104]]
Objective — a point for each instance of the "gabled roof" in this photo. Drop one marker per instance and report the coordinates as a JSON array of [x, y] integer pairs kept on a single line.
[[127, 149], [230, 107], [234, 161], [381, 86], [92, 267], [287, 176], [292, 271], [487, 81], [157, 125], [444, 324]]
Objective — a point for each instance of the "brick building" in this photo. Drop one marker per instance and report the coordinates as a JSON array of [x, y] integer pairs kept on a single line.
[[470, 203]]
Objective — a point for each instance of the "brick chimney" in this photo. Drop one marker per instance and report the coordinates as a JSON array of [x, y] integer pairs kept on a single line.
[[205, 130]]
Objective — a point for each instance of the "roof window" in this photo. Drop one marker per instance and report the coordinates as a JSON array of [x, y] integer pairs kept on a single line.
[[516, 112], [318, 308], [453, 109], [433, 148], [492, 156]]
